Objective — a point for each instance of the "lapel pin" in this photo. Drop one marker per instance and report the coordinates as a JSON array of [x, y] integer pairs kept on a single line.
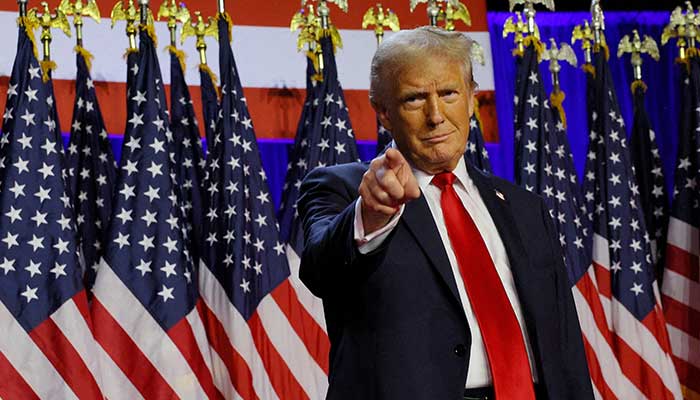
[[500, 195]]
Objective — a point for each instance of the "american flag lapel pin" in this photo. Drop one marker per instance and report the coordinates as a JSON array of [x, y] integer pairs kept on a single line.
[[500, 195]]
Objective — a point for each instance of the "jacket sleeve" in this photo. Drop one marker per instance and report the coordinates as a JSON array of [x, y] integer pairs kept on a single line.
[[331, 262], [575, 367]]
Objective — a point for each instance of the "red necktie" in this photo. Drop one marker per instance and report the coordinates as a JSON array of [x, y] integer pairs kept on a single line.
[[500, 330]]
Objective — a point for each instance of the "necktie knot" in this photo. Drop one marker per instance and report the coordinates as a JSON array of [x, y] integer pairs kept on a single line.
[[443, 180]]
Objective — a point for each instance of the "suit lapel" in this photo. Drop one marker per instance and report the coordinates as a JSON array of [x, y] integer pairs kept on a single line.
[[419, 221]]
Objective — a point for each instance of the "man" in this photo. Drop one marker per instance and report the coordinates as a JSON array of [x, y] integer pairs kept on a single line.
[[438, 281]]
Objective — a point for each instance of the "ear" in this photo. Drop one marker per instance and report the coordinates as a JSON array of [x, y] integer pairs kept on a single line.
[[382, 114]]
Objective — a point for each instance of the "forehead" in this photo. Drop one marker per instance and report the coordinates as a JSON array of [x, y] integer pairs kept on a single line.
[[427, 71]]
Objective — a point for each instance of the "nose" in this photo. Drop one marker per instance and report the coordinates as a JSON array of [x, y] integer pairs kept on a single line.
[[434, 111]]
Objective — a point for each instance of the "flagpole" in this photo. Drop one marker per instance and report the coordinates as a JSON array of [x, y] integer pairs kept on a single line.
[[220, 5], [144, 12], [22, 7]]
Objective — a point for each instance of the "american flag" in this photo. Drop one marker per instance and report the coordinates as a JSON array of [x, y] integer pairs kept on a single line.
[[145, 304], [545, 165], [297, 166], [210, 103], [650, 177], [476, 148], [383, 137], [622, 264], [254, 320], [681, 285], [324, 137], [132, 69], [189, 160], [46, 348], [92, 170]]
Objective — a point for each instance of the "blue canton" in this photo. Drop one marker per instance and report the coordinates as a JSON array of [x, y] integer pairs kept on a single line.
[[39, 267]]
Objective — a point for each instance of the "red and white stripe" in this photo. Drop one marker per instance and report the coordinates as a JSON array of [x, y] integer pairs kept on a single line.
[[281, 352], [148, 362], [272, 71], [628, 358], [681, 299], [57, 359]]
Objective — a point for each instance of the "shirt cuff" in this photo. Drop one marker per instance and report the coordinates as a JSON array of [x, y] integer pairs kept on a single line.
[[367, 244]]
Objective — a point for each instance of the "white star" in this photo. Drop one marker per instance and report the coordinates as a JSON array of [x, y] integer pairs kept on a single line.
[[136, 120], [36, 242], [149, 218], [637, 289], [144, 267], [531, 146], [30, 293], [169, 269], [49, 147], [28, 117], [58, 270], [636, 267], [152, 193], [154, 169], [61, 246], [140, 97], [279, 248], [323, 144], [133, 143], [31, 95], [39, 218], [340, 148], [531, 123], [46, 170], [533, 77], [245, 285], [10, 240], [261, 220], [122, 240], [127, 191], [171, 245], [64, 222], [124, 215], [340, 124], [247, 123], [14, 214], [34, 72], [147, 242], [158, 123], [259, 245], [7, 265], [157, 145], [21, 165], [26, 141], [17, 189], [166, 293]]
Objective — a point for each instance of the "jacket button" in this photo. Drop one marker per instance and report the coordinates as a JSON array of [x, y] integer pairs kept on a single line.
[[460, 350]]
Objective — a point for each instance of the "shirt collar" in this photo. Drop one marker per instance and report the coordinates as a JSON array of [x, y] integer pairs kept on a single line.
[[460, 172]]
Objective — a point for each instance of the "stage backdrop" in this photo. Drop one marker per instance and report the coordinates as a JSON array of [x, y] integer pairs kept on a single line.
[[273, 74]]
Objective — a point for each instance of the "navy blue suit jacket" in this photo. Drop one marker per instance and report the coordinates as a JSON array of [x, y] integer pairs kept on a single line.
[[395, 321]]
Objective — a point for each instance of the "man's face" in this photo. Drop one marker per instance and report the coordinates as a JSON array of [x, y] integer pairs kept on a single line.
[[427, 111]]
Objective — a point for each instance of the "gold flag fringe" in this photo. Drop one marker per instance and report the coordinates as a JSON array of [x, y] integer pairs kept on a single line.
[[205, 68], [179, 54], [534, 41], [557, 100], [46, 67], [638, 84], [589, 69], [130, 51], [228, 20], [87, 56], [477, 115]]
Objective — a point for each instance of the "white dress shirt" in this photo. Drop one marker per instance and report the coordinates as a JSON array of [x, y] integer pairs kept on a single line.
[[479, 374]]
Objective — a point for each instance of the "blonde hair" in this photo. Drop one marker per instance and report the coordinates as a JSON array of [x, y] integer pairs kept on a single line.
[[404, 47]]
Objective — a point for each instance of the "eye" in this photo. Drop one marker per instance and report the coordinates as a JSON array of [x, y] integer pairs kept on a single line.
[[412, 102], [451, 95]]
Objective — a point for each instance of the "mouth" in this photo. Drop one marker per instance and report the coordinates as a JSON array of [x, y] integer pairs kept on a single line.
[[438, 138]]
